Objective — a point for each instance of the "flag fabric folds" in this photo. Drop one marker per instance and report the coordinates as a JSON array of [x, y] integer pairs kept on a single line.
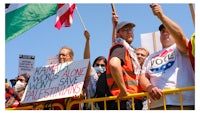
[[22, 17], [65, 15]]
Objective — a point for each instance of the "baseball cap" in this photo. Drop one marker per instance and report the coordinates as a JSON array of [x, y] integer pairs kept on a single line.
[[161, 27], [13, 81], [123, 23]]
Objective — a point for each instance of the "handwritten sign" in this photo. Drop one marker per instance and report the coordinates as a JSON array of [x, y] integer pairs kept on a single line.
[[56, 81]]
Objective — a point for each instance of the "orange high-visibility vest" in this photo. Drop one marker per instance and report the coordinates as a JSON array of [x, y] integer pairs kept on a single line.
[[130, 79]]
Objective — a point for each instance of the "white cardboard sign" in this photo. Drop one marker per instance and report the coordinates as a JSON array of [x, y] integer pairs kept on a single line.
[[26, 64], [56, 81]]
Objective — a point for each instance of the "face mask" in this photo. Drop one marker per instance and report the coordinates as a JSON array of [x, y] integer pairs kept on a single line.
[[19, 86], [100, 69]]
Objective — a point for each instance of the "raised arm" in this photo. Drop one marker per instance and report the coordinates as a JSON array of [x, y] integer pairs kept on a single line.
[[173, 28], [87, 56], [114, 23], [87, 45]]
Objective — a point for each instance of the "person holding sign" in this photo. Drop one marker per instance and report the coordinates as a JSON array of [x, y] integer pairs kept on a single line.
[[66, 55], [59, 83], [169, 68]]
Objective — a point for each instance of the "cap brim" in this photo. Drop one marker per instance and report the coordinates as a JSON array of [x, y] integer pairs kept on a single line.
[[122, 24]]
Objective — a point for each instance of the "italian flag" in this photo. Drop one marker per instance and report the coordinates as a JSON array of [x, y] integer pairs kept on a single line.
[[22, 17]]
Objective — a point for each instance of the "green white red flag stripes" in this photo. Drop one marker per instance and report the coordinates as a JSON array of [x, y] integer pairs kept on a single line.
[[65, 15], [22, 17]]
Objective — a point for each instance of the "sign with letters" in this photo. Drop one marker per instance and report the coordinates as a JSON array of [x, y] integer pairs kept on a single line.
[[52, 60], [26, 64], [56, 81]]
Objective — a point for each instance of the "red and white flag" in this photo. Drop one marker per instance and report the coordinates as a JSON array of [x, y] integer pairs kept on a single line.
[[65, 15]]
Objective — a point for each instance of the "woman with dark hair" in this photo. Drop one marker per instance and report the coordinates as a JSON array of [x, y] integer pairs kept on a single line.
[[13, 95], [99, 65]]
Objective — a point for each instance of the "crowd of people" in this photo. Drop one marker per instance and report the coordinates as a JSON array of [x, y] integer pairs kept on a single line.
[[131, 70]]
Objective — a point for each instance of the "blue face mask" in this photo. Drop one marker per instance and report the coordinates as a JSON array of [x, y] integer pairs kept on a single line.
[[100, 69]]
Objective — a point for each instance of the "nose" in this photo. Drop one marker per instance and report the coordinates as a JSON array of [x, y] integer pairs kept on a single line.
[[138, 55]]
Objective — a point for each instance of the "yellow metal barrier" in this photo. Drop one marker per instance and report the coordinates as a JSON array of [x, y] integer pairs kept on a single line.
[[21, 108], [132, 96], [180, 90], [70, 102], [56, 106], [104, 99], [28, 107]]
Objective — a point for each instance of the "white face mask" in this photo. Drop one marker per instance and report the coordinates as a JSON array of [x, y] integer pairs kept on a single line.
[[100, 69], [19, 86]]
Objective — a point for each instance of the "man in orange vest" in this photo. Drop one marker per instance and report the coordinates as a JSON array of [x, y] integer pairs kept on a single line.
[[123, 68]]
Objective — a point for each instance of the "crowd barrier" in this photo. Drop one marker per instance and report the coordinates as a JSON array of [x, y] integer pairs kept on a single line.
[[40, 106], [105, 99]]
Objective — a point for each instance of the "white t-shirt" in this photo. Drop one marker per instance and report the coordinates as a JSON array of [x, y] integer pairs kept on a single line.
[[168, 69]]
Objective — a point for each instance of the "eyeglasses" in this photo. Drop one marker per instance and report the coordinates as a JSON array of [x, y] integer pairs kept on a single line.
[[102, 65], [127, 29], [64, 55]]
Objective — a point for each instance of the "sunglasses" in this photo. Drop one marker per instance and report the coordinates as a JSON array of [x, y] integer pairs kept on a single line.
[[102, 65]]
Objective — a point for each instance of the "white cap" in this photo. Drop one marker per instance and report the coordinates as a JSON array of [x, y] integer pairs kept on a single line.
[[122, 24]]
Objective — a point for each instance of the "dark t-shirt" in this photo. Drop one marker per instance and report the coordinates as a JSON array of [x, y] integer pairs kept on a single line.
[[118, 51]]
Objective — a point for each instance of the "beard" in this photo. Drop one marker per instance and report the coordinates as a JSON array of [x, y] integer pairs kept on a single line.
[[129, 40]]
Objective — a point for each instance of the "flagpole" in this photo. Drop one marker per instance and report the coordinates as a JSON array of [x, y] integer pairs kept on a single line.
[[80, 18], [114, 32], [113, 8], [192, 13]]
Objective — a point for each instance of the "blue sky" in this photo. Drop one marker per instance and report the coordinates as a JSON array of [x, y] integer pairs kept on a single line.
[[45, 40]]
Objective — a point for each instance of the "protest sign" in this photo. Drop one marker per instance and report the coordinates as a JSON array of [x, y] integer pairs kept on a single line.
[[151, 41], [56, 81], [52, 60], [26, 64]]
